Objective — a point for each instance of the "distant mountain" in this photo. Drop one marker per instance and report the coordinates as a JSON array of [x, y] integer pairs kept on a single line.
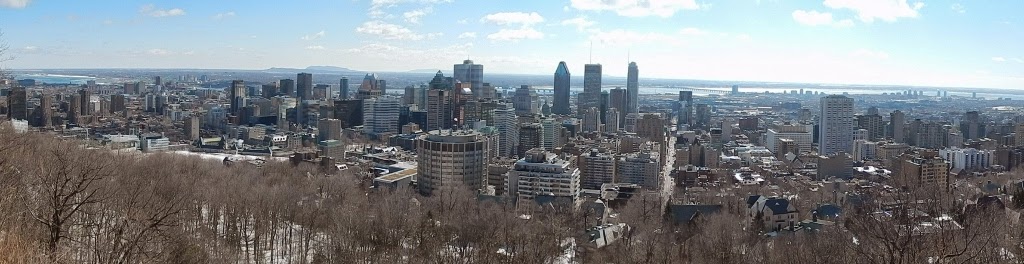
[[314, 69], [424, 71]]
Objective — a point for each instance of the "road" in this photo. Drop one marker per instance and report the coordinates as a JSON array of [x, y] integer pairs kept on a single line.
[[667, 184]]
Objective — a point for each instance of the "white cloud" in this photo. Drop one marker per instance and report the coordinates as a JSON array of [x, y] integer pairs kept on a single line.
[[621, 37], [743, 37], [380, 56], [316, 47], [392, 31], [151, 10], [886, 10], [998, 59], [513, 18], [414, 16], [1020, 60], [14, 3], [815, 18], [692, 31], [158, 52], [957, 7], [462, 21], [467, 35], [864, 53], [376, 4], [515, 34], [317, 35], [581, 23], [224, 15], [31, 48], [637, 8]]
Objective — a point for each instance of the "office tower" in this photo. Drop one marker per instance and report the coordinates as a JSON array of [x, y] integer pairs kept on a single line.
[[286, 87], [873, 124], [591, 96], [562, 78], [611, 120], [632, 89], [591, 120], [470, 73], [488, 92], [140, 87], [543, 173], [703, 116], [321, 92], [331, 148], [451, 159], [641, 168], [617, 99], [371, 87], [553, 133], [530, 136], [380, 115], [328, 129], [596, 168], [971, 126], [86, 105], [129, 88], [799, 134], [343, 88], [735, 89], [897, 126], [439, 109], [17, 103], [873, 111], [117, 103], [651, 126], [525, 101], [269, 91], [237, 97], [46, 110], [409, 96], [350, 112], [192, 127], [304, 86], [74, 108], [684, 115], [508, 129], [835, 132]]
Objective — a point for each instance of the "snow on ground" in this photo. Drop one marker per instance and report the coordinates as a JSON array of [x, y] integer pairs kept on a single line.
[[221, 156]]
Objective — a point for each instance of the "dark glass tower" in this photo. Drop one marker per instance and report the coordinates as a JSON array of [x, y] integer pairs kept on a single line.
[[343, 89], [304, 86], [562, 77]]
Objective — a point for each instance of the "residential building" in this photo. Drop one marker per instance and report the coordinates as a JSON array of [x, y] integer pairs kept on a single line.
[[543, 173], [449, 159], [836, 125]]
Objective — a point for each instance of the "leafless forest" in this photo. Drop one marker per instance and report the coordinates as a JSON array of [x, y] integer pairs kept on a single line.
[[63, 203]]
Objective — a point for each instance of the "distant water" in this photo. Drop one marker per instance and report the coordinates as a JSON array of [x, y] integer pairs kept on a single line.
[[56, 79]]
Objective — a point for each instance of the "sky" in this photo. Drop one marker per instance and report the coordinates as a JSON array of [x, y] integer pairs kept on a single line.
[[899, 42]]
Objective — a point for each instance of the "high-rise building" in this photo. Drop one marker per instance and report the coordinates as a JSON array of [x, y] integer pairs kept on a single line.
[[971, 126], [553, 133], [192, 126], [504, 116], [799, 134], [17, 103], [470, 73], [562, 78], [328, 129], [703, 116], [451, 159], [611, 120], [835, 132], [269, 90], [371, 87], [86, 105], [684, 115], [632, 89], [380, 115], [596, 168], [922, 170], [237, 97], [617, 99], [591, 96], [46, 110], [287, 87], [304, 86], [526, 101], [873, 124], [897, 126], [591, 120], [439, 109], [641, 168], [531, 136], [543, 173], [651, 126], [343, 88]]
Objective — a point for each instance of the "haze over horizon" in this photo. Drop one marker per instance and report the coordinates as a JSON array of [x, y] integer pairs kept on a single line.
[[878, 42]]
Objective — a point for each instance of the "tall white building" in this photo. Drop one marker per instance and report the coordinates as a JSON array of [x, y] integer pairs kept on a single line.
[[968, 159], [591, 120], [639, 168], [380, 115], [508, 129], [543, 173], [449, 159], [611, 120], [799, 133], [835, 131], [596, 168], [552, 136]]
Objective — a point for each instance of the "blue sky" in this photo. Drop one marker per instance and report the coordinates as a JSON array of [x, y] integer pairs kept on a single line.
[[940, 43]]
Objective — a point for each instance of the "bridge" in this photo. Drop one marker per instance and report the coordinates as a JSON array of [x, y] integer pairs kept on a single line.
[[694, 89]]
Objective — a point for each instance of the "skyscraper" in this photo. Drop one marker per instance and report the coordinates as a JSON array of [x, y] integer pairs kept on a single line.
[[343, 89], [617, 99], [370, 88], [897, 126], [508, 129], [591, 96], [525, 101], [562, 78], [591, 120], [86, 103], [450, 159], [46, 113], [304, 86], [17, 103], [835, 132], [237, 97], [632, 89], [380, 115], [439, 109], [470, 73], [286, 87], [684, 115]]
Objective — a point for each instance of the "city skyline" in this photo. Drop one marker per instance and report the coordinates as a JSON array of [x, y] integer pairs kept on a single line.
[[834, 41]]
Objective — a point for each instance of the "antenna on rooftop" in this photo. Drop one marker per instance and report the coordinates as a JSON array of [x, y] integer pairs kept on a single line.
[[591, 52], [627, 56]]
